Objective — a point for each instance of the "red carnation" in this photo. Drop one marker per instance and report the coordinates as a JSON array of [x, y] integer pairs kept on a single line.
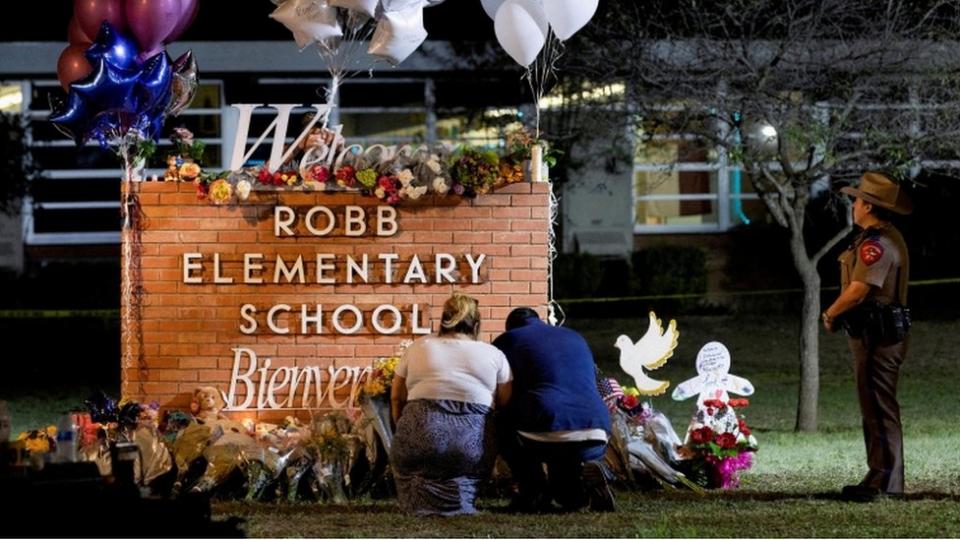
[[629, 401], [346, 176], [387, 183], [320, 174], [264, 176], [702, 435], [726, 440]]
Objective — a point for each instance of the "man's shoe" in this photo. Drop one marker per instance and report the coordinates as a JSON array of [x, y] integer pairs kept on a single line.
[[597, 486], [859, 493]]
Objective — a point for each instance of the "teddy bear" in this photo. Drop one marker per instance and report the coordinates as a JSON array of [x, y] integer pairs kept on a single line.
[[172, 174], [206, 404]]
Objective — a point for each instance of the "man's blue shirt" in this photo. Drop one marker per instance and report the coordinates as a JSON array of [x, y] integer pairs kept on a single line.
[[554, 379]]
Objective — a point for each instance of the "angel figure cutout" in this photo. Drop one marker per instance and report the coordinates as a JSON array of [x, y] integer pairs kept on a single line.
[[650, 352], [714, 380]]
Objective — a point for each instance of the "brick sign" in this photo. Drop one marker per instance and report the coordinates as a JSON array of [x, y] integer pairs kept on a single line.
[[283, 302]]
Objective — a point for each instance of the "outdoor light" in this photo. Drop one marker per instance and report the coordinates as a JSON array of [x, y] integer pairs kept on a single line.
[[768, 131]]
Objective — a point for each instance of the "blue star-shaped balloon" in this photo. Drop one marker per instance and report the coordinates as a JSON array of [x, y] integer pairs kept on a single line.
[[112, 46], [72, 117], [119, 95], [107, 87]]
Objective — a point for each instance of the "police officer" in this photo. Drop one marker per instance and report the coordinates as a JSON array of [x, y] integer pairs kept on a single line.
[[872, 308]]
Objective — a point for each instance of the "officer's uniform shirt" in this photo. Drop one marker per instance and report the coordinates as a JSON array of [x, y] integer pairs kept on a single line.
[[879, 258]]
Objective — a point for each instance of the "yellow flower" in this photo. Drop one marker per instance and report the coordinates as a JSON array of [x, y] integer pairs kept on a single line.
[[631, 391], [189, 171], [220, 191]]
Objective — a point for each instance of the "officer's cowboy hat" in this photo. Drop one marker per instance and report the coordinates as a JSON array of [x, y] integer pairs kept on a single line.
[[877, 189]]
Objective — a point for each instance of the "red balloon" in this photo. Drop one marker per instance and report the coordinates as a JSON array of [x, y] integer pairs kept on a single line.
[[75, 34], [188, 12], [72, 65], [90, 14], [151, 21]]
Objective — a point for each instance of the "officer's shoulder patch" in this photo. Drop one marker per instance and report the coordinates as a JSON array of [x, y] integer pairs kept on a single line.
[[871, 251]]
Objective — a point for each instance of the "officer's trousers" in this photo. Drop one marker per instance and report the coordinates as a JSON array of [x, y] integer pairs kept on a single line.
[[877, 371]]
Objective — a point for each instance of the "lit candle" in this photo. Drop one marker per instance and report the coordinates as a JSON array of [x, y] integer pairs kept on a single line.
[[536, 163]]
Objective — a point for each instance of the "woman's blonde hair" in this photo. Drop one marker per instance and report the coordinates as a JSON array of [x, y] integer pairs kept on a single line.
[[460, 315]]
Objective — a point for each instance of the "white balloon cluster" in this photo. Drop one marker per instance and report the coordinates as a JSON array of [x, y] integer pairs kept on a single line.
[[399, 24], [522, 26]]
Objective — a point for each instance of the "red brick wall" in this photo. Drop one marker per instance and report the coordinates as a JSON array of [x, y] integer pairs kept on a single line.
[[189, 330]]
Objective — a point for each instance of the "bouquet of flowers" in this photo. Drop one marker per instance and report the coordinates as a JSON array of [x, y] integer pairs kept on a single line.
[[719, 444], [474, 171], [381, 377]]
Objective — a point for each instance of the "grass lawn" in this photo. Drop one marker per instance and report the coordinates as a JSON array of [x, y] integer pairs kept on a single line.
[[791, 490]]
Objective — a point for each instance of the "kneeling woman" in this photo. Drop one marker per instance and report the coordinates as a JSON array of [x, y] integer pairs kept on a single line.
[[442, 397]]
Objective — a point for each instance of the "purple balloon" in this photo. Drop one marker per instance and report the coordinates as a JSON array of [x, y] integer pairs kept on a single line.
[[75, 34], [188, 12], [91, 13], [151, 21]]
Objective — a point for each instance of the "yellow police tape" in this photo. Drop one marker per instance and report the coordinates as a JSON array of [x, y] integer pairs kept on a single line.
[[115, 313], [919, 283]]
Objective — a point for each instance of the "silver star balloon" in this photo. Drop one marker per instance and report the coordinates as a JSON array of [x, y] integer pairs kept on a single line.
[[309, 20]]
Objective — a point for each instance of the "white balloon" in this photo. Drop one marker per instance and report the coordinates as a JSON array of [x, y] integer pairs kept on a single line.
[[402, 5], [398, 34], [568, 16], [368, 7], [309, 20], [491, 7], [521, 28]]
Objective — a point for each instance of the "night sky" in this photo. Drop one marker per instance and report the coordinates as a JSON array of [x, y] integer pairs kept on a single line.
[[46, 20]]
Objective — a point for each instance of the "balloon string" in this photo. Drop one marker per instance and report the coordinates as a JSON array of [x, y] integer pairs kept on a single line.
[[540, 73]]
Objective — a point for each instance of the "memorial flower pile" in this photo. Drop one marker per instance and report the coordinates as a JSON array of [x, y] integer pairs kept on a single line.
[[393, 175], [719, 443]]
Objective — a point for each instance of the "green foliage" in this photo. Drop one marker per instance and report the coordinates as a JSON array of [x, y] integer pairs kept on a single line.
[[576, 275], [475, 169], [16, 171]]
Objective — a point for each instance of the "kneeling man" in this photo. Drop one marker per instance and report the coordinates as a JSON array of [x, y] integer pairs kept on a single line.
[[555, 417]]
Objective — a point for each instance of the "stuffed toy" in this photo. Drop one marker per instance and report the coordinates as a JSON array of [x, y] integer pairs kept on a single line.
[[206, 404]]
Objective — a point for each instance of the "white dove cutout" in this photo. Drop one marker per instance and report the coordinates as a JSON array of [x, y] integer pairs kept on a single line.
[[714, 379], [652, 351]]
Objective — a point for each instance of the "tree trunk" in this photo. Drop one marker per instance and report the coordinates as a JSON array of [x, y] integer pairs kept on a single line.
[[809, 337]]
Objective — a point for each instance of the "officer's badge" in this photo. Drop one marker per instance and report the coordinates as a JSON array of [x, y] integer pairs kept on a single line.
[[870, 252]]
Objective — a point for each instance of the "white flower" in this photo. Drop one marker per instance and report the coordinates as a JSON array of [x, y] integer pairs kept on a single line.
[[405, 177], [434, 166], [440, 185], [416, 192], [243, 189]]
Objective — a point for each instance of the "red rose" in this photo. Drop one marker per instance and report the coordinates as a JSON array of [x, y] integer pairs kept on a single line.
[[702, 435], [743, 427], [715, 403], [726, 440], [629, 401], [201, 191]]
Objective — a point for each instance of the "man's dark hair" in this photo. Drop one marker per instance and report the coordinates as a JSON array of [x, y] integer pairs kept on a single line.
[[516, 317]]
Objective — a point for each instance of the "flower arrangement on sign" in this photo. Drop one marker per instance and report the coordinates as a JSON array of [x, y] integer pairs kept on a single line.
[[392, 176], [719, 444]]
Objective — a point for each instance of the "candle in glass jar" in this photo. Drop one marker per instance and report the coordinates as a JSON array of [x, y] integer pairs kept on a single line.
[[536, 163]]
